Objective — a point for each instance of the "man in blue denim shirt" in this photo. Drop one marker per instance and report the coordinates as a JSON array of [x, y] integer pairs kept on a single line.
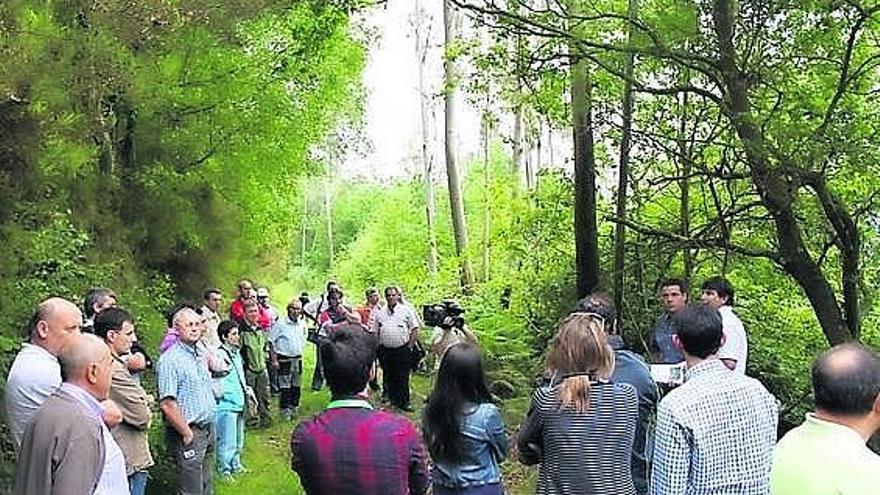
[[630, 368], [674, 296]]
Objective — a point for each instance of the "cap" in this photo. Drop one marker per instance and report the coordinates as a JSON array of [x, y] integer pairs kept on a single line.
[[262, 292]]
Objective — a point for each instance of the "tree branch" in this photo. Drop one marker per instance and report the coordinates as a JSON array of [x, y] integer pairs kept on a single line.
[[698, 243]]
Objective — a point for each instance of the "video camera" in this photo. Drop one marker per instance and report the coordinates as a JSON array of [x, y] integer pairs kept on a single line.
[[436, 315]]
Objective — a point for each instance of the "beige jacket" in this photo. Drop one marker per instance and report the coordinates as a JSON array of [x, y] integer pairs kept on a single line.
[[131, 433]]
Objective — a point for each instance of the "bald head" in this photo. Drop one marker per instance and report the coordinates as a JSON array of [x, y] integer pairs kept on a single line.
[[85, 362], [846, 380], [53, 322]]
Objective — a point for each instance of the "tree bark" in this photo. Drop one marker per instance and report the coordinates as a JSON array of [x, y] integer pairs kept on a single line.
[[328, 213], [585, 227], [487, 199], [427, 159], [456, 202], [623, 173], [304, 231], [518, 140], [773, 187], [685, 186]]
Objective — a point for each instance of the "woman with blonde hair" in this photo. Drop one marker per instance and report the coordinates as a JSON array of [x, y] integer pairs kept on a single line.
[[580, 427]]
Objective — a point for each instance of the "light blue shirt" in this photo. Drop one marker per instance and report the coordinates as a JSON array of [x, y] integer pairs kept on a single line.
[[113, 479], [288, 337], [183, 375], [234, 381], [484, 446]]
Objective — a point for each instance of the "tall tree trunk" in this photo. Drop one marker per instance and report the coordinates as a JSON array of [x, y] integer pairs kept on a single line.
[[305, 218], [518, 110], [456, 202], [422, 42], [685, 185], [487, 198], [623, 172], [518, 141], [328, 213], [539, 148], [528, 165], [585, 227]]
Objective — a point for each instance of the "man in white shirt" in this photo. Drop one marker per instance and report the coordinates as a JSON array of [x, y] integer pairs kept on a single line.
[[288, 338], [36, 374], [397, 327], [211, 313], [718, 293]]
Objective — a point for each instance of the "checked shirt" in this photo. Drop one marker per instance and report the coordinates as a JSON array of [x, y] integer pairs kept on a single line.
[[715, 435], [352, 449]]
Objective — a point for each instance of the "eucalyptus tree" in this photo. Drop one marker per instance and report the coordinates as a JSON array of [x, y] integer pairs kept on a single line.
[[456, 202]]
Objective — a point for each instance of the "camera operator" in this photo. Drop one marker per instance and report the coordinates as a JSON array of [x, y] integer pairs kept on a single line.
[[450, 330]]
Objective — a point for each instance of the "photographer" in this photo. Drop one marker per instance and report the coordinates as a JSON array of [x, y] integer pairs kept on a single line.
[[449, 329]]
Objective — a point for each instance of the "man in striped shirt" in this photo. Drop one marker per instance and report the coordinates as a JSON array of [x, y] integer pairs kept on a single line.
[[715, 433]]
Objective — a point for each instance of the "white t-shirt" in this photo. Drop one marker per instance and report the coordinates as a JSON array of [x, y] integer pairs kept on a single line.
[[34, 376], [114, 480], [736, 345], [394, 325]]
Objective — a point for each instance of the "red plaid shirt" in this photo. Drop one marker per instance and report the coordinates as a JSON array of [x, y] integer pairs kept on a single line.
[[352, 449]]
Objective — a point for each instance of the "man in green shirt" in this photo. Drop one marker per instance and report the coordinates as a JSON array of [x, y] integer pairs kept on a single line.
[[256, 351], [827, 453]]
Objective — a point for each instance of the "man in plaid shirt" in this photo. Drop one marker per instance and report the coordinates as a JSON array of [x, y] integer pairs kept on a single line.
[[350, 448], [715, 433]]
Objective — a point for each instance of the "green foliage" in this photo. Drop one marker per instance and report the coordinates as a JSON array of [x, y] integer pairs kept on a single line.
[[156, 147]]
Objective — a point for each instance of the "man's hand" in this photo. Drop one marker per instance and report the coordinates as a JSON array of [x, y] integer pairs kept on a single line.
[[136, 362], [187, 436], [111, 415], [275, 364]]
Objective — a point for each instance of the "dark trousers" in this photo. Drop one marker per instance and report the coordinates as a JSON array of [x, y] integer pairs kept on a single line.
[[273, 377], [289, 377], [318, 374], [396, 365], [195, 462], [289, 398]]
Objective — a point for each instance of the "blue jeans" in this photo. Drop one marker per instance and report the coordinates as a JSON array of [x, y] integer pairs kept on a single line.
[[230, 441], [137, 482]]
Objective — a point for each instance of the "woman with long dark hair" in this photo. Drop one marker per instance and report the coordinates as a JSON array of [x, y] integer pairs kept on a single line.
[[463, 430], [580, 427]]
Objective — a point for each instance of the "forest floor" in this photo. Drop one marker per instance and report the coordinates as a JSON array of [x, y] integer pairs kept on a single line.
[[267, 452]]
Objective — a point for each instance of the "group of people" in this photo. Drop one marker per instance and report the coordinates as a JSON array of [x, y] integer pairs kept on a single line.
[[79, 417], [588, 423], [212, 373]]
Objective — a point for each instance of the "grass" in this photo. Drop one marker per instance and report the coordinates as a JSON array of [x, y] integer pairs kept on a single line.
[[267, 452]]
